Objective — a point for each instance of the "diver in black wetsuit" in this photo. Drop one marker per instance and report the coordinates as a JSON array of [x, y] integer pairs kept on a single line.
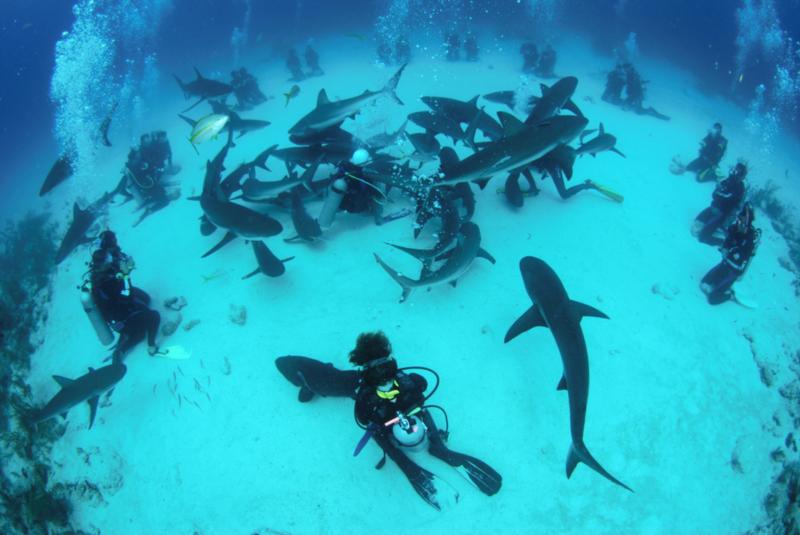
[[312, 60], [293, 64], [123, 306], [530, 57], [737, 250], [471, 52], [246, 90], [452, 44], [615, 83], [386, 393], [634, 94], [547, 63], [727, 197], [402, 51], [712, 149]]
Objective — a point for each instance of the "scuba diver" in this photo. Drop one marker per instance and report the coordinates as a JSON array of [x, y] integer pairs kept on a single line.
[[530, 57], [547, 63], [615, 83], [712, 149], [391, 407], [246, 90], [634, 94], [737, 250], [352, 191], [471, 47], [146, 166], [451, 47], [725, 200], [402, 51], [293, 64], [312, 60], [122, 306], [384, 52]]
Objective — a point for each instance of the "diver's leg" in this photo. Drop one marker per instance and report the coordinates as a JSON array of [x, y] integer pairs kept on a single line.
[[153, 320], [721, 292], [423, 481], [140, 295], [712, 223], [483, 476]]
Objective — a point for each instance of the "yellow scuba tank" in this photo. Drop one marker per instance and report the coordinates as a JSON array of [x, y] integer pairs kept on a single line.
[[100, 326], [332, 202]]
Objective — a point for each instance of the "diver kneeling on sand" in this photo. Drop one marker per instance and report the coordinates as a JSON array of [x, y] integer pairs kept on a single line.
[[351, 191], [737, 251], [121, 305], [727, 197], [391, 406]]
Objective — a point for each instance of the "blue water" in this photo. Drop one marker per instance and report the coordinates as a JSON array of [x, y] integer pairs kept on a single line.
[[688, 402]]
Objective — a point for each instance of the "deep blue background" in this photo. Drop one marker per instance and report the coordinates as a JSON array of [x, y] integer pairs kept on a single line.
[[698, 35]]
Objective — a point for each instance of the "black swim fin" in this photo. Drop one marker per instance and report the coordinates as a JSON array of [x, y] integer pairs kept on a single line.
[[480, 474], [425, 484]]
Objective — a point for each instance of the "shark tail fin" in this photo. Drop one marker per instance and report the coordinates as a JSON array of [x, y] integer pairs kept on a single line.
[[398, 278], [581, 454], [391, 85], [191, 122]]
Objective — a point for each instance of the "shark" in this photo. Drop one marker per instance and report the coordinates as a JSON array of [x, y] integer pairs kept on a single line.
[[317, 378], [457, 261], [552, 308], [330, 114], [203, 88], [237, 220], [61, 170], [465, 112], [268, 264], [82, 221], [521, 146], [601, 142], [86, 388], [553, 99]]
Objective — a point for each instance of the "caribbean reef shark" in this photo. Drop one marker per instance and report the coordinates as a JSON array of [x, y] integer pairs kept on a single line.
[[552, 308], [88, 387]]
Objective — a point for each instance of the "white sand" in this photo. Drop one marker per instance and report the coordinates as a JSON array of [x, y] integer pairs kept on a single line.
[[674, 391]]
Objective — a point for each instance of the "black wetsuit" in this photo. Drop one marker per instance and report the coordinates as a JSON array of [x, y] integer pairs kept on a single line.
[[712, 149], [374, 411], [530, 57], [615, 83], [725, 201], [125, 308], [360, 195], [547, 63], [737, 251]]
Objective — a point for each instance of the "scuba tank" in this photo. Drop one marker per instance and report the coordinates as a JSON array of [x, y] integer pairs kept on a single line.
[[409, 432], [332, 202], [101, 328]]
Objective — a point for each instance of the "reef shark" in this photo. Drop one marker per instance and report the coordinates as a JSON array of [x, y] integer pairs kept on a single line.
[[268, 264], [330, 114], [552, 308], [599, 143], [553, 99], [317, 378], [237, 220], [88, 387], [521, 146], [204, 88], [457, 262], [60, 171]]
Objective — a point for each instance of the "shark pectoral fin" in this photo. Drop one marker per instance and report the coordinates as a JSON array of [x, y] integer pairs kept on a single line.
[[481, 182], [229, 237], [482, 253], [571, 106], [582, 309], [252, 274], [614, 149], [63, 381], [454, 283], [445, 255], [92, 409], [530, 319], [406, 293], [64, 415], [305, 395], [562, 384]]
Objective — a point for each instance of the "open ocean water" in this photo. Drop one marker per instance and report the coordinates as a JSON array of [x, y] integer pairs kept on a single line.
[[513, 192]]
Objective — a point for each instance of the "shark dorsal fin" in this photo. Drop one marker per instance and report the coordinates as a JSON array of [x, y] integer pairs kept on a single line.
[[473, 101], [63, 381], [544, 89], [322, 98], [602, 130], [199, 76], [511, 125], [76, 210]]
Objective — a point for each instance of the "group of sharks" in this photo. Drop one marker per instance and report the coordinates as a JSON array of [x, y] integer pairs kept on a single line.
[[511, 147]]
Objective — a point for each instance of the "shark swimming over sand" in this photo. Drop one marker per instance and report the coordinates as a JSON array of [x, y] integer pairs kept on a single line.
[[552, 308]]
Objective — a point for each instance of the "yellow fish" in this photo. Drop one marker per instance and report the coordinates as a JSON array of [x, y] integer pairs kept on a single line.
[[208, 127], [293, 92]]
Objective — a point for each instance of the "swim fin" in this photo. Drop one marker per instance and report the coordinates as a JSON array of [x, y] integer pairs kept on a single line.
[[174, 353], [477, 472], [611, 194], [430, 488]]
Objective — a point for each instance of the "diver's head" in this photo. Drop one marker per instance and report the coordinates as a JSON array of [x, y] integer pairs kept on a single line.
[[101, 261], [717, 129], [360, 157], [373, 353], [739, 171], [108, 240]]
